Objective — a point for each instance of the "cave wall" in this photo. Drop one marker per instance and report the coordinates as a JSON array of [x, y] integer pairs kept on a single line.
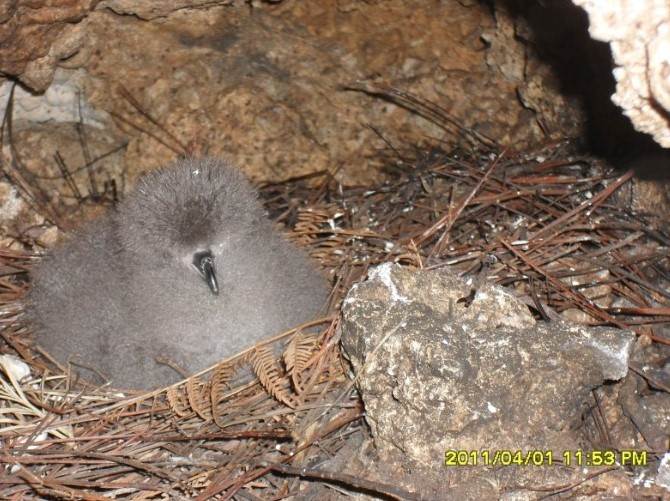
[[267, 84], [263, 83]]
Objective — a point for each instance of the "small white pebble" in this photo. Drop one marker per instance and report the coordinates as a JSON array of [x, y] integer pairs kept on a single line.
[[15, 367]]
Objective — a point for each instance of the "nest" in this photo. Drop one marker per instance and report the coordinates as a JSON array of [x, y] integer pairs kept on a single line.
[[542, 223]]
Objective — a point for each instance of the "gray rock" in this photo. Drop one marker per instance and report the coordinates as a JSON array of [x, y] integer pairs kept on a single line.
[[437, 372], [663, 474]]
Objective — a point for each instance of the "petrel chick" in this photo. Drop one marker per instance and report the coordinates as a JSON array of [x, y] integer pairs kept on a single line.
[[187, 269]]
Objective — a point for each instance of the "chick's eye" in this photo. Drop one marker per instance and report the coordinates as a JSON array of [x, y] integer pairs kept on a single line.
[[203, 260]]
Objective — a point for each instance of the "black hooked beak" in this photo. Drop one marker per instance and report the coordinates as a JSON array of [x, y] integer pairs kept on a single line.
[[204, 263]]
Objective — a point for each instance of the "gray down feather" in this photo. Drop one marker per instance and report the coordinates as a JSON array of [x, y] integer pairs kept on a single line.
[[124, 289]]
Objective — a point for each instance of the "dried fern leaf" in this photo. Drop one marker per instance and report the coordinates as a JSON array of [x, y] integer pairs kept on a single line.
[[262, 361], [198, 397], [221, 375], [178, 402], [296, 355]]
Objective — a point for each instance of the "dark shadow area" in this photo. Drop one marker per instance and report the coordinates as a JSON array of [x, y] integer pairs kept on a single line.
[[560, 37]]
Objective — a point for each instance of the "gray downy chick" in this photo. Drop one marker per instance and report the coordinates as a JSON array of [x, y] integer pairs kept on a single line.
[[187, 267]]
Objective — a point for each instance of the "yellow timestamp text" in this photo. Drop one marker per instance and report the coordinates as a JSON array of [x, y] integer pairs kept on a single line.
[[577, 457]]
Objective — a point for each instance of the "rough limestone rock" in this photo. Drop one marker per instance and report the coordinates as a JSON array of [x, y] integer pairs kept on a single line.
[[35, 35], [639, 35], [263, 83], [441, 368], [148, 10]]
